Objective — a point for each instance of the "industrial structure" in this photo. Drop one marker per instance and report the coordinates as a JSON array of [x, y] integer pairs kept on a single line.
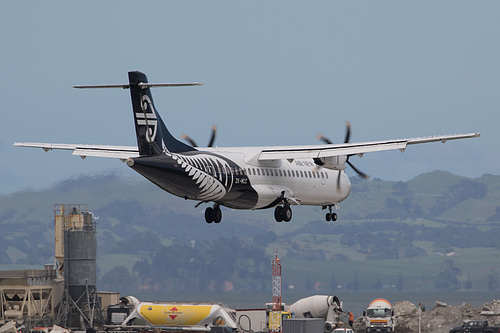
[[64, 294], [80, 305], [29, 297], [276, 314]]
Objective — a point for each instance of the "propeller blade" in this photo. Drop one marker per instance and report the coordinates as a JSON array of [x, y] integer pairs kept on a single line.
[[347, 132], [189, 139], [212, 137], [324, 139], [346, 140], [359, 172]]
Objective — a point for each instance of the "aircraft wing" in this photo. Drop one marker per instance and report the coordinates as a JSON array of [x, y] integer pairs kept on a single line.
[[267, 153], [319, 151], [121, 152]]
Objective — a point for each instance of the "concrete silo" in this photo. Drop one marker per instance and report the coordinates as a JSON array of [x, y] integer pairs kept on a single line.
[[76, 254]]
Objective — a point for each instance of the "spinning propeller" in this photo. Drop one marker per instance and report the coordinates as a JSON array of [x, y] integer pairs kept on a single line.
[[193, 143], [346, 140]]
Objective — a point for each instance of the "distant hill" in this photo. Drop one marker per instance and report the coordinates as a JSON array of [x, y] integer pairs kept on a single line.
[[436, 231]]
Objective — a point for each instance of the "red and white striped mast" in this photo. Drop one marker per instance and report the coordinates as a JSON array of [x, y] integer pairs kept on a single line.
[[276, 284]]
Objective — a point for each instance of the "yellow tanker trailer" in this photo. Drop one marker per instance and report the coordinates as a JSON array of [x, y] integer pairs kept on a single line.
[[189, 316]]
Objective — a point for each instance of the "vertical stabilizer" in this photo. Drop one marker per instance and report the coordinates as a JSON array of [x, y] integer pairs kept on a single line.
[[153, 137]]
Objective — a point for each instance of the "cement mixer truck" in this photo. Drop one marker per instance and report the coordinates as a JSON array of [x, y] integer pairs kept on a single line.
[[319, 306], [188, 316], [379, 316]]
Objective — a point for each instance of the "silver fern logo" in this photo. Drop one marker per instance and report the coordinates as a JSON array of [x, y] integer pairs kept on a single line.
[[212, 174]]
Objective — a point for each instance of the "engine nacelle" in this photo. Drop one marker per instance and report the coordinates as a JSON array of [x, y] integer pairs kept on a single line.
[[332, 162]]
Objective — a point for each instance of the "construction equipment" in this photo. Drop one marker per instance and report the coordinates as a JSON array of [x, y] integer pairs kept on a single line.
[[133, 315]]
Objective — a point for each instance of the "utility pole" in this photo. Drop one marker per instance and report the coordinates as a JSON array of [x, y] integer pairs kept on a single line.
[[419, 318]]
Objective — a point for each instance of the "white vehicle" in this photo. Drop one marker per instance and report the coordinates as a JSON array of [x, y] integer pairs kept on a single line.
[[186, 316], [343, 330], [319, 306], [236, 177], [379, 316]]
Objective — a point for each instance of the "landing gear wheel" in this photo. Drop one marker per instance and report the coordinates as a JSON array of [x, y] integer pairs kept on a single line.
[[286, 213], [278, 214], [209, 215], [217, 214], [330, 216]]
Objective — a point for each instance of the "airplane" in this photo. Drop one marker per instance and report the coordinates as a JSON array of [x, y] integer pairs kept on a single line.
[[246, 178]]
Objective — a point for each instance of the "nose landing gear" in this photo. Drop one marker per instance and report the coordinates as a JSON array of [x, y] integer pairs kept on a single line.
[[213, 214], [331, 216]]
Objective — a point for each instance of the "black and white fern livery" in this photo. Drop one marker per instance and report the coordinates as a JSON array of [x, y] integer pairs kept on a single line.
[[212, 174]]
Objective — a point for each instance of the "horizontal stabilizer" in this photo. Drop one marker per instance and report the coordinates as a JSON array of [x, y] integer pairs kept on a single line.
[[141, 85]]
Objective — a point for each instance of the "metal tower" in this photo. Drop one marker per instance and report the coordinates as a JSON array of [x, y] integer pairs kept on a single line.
[[276, 284], [275, 315], [80, 307]]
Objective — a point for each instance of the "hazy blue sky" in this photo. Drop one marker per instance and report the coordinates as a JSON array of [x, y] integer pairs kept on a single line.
[[275, 73]]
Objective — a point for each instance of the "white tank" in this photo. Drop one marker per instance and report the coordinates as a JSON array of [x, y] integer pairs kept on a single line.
[[314, 306]]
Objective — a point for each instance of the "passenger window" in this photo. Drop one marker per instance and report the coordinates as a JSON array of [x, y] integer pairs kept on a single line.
[[258, 172], [281, 175], [289, 173], [326, 174], [301, 174]]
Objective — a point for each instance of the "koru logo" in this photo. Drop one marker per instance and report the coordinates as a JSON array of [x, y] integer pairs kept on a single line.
[[147, 118]]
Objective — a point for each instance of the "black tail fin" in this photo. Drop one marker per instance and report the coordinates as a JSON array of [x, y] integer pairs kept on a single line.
[[153, 137]]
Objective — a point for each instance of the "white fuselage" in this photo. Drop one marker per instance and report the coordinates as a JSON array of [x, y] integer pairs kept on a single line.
[[302, 181]]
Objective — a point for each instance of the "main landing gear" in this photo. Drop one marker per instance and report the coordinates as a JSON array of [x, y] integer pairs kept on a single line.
[[213, 214], [331, 216], [283, 213]]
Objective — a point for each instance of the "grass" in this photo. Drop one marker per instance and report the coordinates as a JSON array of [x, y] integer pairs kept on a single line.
[[107, 262]]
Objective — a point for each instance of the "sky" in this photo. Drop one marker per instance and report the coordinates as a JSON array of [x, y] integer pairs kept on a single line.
[[274, 73]]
